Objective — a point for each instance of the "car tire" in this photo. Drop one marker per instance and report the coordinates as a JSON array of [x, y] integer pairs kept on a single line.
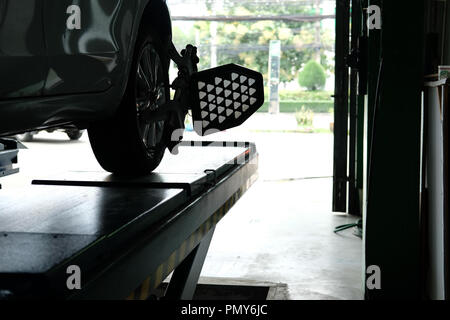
[[124, 144], [74, 135]]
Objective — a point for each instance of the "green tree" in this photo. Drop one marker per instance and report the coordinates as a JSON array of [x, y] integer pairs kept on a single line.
[[312, 76], [247, 43], [182, 35]]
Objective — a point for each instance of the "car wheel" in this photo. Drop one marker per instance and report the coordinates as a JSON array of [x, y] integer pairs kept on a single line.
[[74, 135], [126, 144]]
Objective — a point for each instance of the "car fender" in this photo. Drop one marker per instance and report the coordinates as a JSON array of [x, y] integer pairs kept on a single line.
[[147, 9]]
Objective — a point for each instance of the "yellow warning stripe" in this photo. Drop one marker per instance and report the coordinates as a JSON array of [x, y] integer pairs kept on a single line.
[[155, 279]]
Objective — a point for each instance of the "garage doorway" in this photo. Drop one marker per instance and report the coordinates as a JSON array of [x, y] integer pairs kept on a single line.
[[282, 230]]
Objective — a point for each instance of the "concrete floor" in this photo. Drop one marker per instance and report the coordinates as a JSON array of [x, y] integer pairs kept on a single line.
[[288, 237], [280, 231]]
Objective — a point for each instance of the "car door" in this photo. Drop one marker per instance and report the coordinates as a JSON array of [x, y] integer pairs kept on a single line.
[[82, 44], [23, 65]]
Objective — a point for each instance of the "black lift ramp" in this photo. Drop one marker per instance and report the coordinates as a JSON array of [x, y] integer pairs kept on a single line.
[[91, 235]]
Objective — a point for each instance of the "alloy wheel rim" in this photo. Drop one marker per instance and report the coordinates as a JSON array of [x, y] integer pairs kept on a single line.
[[150, 93]]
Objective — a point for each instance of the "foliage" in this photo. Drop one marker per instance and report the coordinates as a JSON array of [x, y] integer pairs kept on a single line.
[[182, 37], [247, 43], [312, 76], [301, 95], [304, 117], [293, 106]]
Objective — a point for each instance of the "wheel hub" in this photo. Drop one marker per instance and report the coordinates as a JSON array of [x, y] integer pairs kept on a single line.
[[150, 95]]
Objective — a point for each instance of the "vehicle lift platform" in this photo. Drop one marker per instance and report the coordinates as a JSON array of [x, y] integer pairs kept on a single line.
[[125, 235]]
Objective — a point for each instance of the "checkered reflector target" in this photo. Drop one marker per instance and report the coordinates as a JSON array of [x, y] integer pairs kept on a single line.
[[225, 97]]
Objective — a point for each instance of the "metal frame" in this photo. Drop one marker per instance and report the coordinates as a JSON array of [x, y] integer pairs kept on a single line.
[[139, 256], [340, 176], [356, 75], [185, 277]]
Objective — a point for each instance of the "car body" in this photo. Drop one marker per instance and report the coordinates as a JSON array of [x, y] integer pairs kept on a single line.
[[67, 62], [103, 65]]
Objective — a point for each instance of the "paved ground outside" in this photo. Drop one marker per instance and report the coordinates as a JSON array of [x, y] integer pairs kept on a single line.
[[280, 231]]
